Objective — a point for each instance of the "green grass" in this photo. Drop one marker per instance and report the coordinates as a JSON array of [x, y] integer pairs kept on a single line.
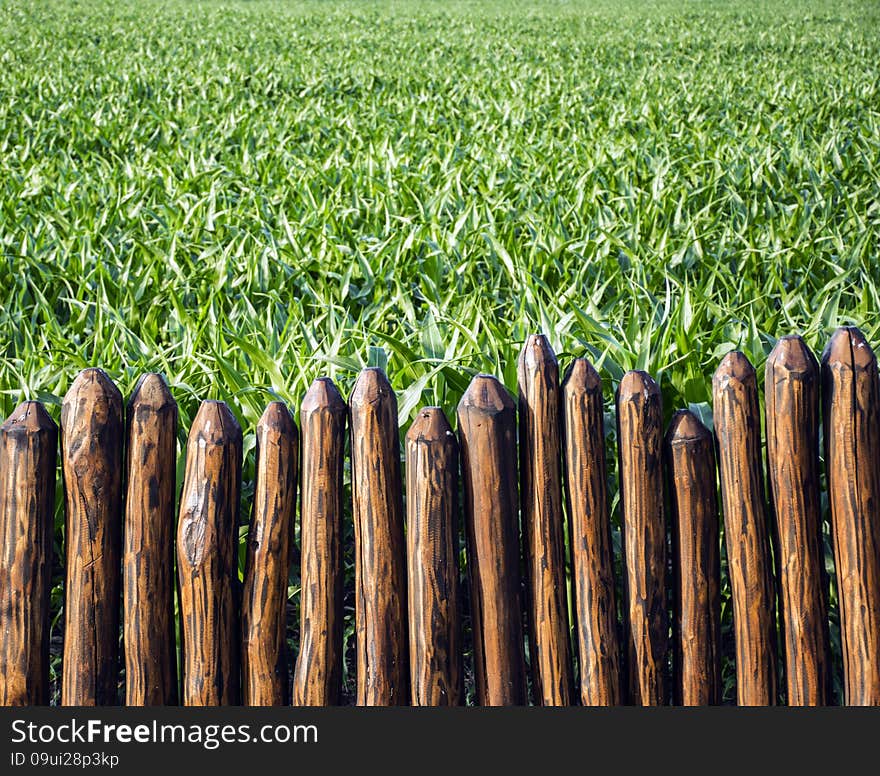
[[246, 195]]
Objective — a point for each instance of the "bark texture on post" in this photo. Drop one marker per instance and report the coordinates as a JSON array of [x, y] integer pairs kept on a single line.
[[28, 454], [738, 431], [640, 441], [791, 392], [487, 430], [851, 397], [148, 552], [380, 556], [542, 520], [91, 454], [207, 558], [270, 538], [592, 556], [436, 674], [696, 565], [318, 674]]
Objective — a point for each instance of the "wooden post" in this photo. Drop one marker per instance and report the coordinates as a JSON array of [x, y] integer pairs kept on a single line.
[[487, 429], [738, 431], [318, 674], [207, 558], [639, 436], [851, 396], [270, 537], [28, 454], [586, 493], [91, 454], [380, 572], [696, 565], [542, 520], [791, 392], [148, 553], [436, 673]]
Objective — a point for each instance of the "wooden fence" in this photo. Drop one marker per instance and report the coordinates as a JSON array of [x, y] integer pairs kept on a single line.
[[546, 619]]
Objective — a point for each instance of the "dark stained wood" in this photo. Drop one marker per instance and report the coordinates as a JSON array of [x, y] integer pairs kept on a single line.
[[791, 394], [28, 454], [318, 674], [148, 546], [380, 570], [543, 523], [851, 412], [696, 564], [587, 503], [487, 432], [91, 454], [270, 538], [436, 675], [207, 558], [738, 432], [646, 620]]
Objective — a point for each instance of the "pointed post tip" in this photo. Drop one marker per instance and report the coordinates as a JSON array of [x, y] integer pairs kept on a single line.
[[581, 375], [29, 417], [486, 394], [430, 425], [323, 394], [791, 355], [733, 367], [686, 427], [151, 390], [536, 352], [96, 383], [215, 422], [635, 383], [372, 385], [276, 417], [848, 347]]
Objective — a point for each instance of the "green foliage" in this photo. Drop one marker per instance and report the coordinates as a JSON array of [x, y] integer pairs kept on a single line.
[[244, 196]]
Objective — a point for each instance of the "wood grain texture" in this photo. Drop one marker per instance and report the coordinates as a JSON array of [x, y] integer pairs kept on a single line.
[[592, 556], [646, 621], [91, 454], [543, 523], [148, 546], [207, 559], [487, 433], [696, 563], [380, 554], [318, 673], [851, 412], [28, 455], [738, 433], [270, 538], [436, 674], [791, 394]]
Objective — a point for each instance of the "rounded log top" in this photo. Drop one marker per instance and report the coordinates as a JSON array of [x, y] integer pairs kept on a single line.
[[536, 353], [371, 387], [686, 427], [792, 356], [151, 391], [486, 394], [848, 348], [430, 425], [95, 385], [734, 369], [29, 417], [581, 376], [215, 424], [276, 418], [323, 394], [637, 383]]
